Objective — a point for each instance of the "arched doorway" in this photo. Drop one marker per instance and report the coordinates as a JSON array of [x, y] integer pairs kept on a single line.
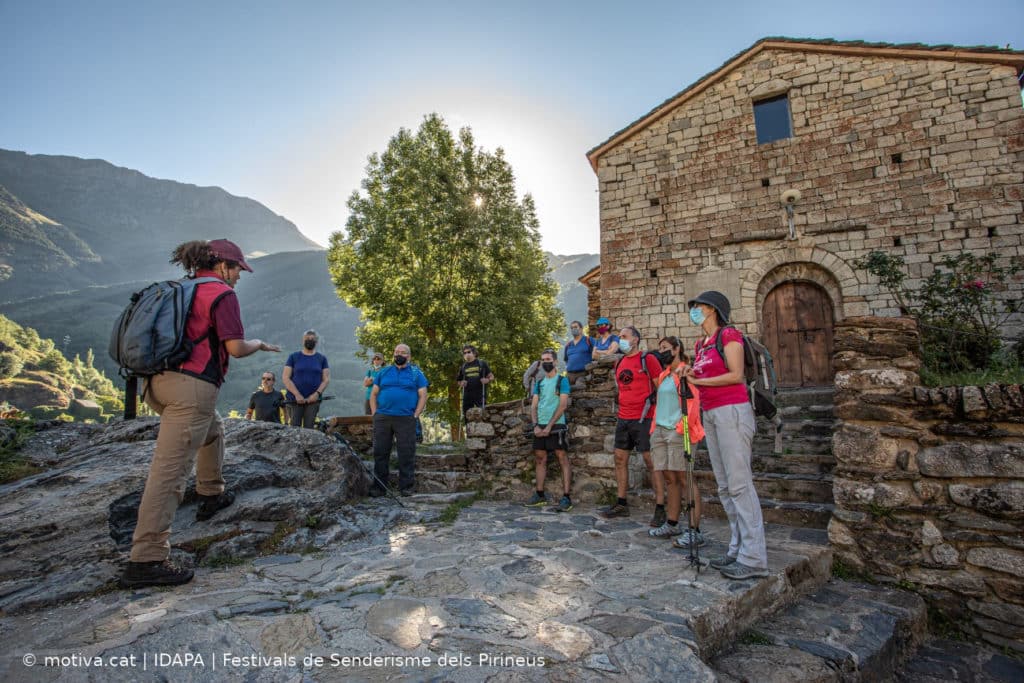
[[797, 321]]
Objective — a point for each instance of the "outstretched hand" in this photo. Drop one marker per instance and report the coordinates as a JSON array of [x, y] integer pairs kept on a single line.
[[264, 346]]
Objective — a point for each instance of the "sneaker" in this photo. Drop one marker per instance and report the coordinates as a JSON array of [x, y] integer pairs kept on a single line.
[[537, 500], [616, 510], [159, 573], [688, 538], [564, 505], [210, 505], [722, 561], [659, 517], [666, 530], [740, 571]]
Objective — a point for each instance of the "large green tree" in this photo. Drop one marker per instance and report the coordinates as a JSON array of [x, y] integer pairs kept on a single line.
[[438, 252]]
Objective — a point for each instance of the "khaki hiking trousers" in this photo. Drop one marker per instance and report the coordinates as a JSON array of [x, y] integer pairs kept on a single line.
[[191, 431]]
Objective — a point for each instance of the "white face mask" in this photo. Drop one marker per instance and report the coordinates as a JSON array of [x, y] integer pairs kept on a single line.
[[625, 346]]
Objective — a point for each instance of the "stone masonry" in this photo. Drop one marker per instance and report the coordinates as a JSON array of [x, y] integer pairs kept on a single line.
[[911, 150], [929, 482]]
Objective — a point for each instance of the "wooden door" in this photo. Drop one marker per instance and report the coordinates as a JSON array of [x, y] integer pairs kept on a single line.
[[797, 320]]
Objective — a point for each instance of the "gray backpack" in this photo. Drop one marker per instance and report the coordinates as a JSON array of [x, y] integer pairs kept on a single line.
[[149, 336]]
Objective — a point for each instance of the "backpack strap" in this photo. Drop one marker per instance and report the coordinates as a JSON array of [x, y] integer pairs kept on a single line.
[[719, 344]]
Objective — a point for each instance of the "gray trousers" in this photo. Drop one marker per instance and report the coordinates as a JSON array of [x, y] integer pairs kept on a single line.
[[730, 433], [304, 415]]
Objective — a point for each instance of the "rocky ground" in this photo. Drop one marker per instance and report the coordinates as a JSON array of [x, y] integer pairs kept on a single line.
[[492, 592]]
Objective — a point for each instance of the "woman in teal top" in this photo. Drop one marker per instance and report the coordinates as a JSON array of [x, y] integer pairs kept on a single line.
[[371, 374]]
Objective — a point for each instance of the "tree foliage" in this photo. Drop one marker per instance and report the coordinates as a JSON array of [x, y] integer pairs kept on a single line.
[[438, 252]]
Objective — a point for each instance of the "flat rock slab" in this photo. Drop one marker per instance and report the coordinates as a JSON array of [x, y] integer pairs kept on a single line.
[[503, 593], [940, 660]]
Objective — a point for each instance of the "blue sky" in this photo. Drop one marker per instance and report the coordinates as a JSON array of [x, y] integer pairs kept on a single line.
[[283, 101]]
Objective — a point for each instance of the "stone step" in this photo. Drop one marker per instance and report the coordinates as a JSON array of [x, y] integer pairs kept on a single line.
[[428, 481], [445, 462], [842, 632], [797, 488], [793, 443], [823, 411], [805, 397], [789, 513], [809, 426], [941, 660], [780, 463]]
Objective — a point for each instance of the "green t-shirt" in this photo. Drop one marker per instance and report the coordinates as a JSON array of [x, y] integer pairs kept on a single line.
[[548, 402]]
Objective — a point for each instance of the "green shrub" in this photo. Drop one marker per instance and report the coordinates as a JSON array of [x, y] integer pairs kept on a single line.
[[10, 364], [960, 308]]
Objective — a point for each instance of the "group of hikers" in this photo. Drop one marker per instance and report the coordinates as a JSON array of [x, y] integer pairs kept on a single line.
[[660, 419], [666, 405]]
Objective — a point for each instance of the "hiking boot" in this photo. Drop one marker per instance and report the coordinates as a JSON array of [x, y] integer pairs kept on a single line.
[[405, 493], [617, 510], [564, 505], [659, 517], [666, 530], [537, 500], [688, 539], [210, 505], [159, 573], [740, 571], [722, 561]]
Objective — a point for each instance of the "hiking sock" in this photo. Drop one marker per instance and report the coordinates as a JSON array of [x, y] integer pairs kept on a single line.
[[620, 501], [540, 492], [567, 497], [672, 522], [659, 506]]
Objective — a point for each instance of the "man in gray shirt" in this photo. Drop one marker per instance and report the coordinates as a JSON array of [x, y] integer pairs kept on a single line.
[[267, 403]]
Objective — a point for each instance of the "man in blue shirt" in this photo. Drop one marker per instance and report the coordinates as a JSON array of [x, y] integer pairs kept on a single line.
[[398, 397], [578, 352], [550, 399]]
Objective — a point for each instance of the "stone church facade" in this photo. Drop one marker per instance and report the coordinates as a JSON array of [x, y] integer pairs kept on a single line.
[[913, 150]]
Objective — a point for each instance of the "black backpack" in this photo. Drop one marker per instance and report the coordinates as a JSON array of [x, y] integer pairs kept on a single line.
[[758, 373]]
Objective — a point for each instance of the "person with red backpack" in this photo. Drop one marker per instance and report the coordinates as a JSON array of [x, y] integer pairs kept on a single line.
[[185, 396], [676, 428], [729, 425], [634, 374]]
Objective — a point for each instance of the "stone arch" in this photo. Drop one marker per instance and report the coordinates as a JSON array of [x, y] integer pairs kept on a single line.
[[801, 272], [807, 263]]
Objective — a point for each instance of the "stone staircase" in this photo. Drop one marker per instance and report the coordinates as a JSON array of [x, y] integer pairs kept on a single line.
[[794, 484]]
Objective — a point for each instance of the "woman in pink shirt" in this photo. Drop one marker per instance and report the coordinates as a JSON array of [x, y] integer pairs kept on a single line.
[[729, 427]]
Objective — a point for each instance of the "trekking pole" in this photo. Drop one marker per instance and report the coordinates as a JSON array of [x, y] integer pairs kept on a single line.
[[322, 425], [691, 501]]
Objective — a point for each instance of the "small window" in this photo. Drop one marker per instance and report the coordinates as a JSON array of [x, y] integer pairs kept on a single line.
[[771, 118]]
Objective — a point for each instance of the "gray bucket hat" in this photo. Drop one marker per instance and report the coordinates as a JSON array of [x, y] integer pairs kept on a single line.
[[715, 300]]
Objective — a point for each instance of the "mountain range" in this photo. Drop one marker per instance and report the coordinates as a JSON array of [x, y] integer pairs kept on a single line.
[[78, 236]]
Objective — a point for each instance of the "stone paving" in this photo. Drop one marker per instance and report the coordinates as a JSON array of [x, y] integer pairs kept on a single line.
[[504, 593]]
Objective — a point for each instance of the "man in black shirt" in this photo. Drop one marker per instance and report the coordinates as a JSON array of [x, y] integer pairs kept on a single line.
[[473, 377], [267, 403]]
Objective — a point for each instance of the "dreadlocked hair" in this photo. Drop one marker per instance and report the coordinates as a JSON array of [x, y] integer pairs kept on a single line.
[[194, 256]]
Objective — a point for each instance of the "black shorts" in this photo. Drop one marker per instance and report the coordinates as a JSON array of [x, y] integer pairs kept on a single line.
[[630, 434], [557, 440]]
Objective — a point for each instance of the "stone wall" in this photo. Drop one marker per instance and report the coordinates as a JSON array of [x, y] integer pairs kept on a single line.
[[356, 429], [916, 157], [929, 482], [501, 451]]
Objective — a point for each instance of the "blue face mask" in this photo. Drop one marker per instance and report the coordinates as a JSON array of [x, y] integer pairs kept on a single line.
[[696, 315], [624, 345]]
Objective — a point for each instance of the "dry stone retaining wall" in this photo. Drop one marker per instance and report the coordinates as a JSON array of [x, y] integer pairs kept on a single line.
[[929, 482]]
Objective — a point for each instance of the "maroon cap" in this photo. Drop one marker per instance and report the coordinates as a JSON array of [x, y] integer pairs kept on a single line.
[[229, 251]]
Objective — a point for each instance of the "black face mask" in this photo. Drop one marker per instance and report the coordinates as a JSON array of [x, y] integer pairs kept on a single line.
[[400, 360], [665, 357], [548, 367], [310, 344]]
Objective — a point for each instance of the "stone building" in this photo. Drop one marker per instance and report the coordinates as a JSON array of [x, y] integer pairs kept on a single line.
[[911, 149]]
